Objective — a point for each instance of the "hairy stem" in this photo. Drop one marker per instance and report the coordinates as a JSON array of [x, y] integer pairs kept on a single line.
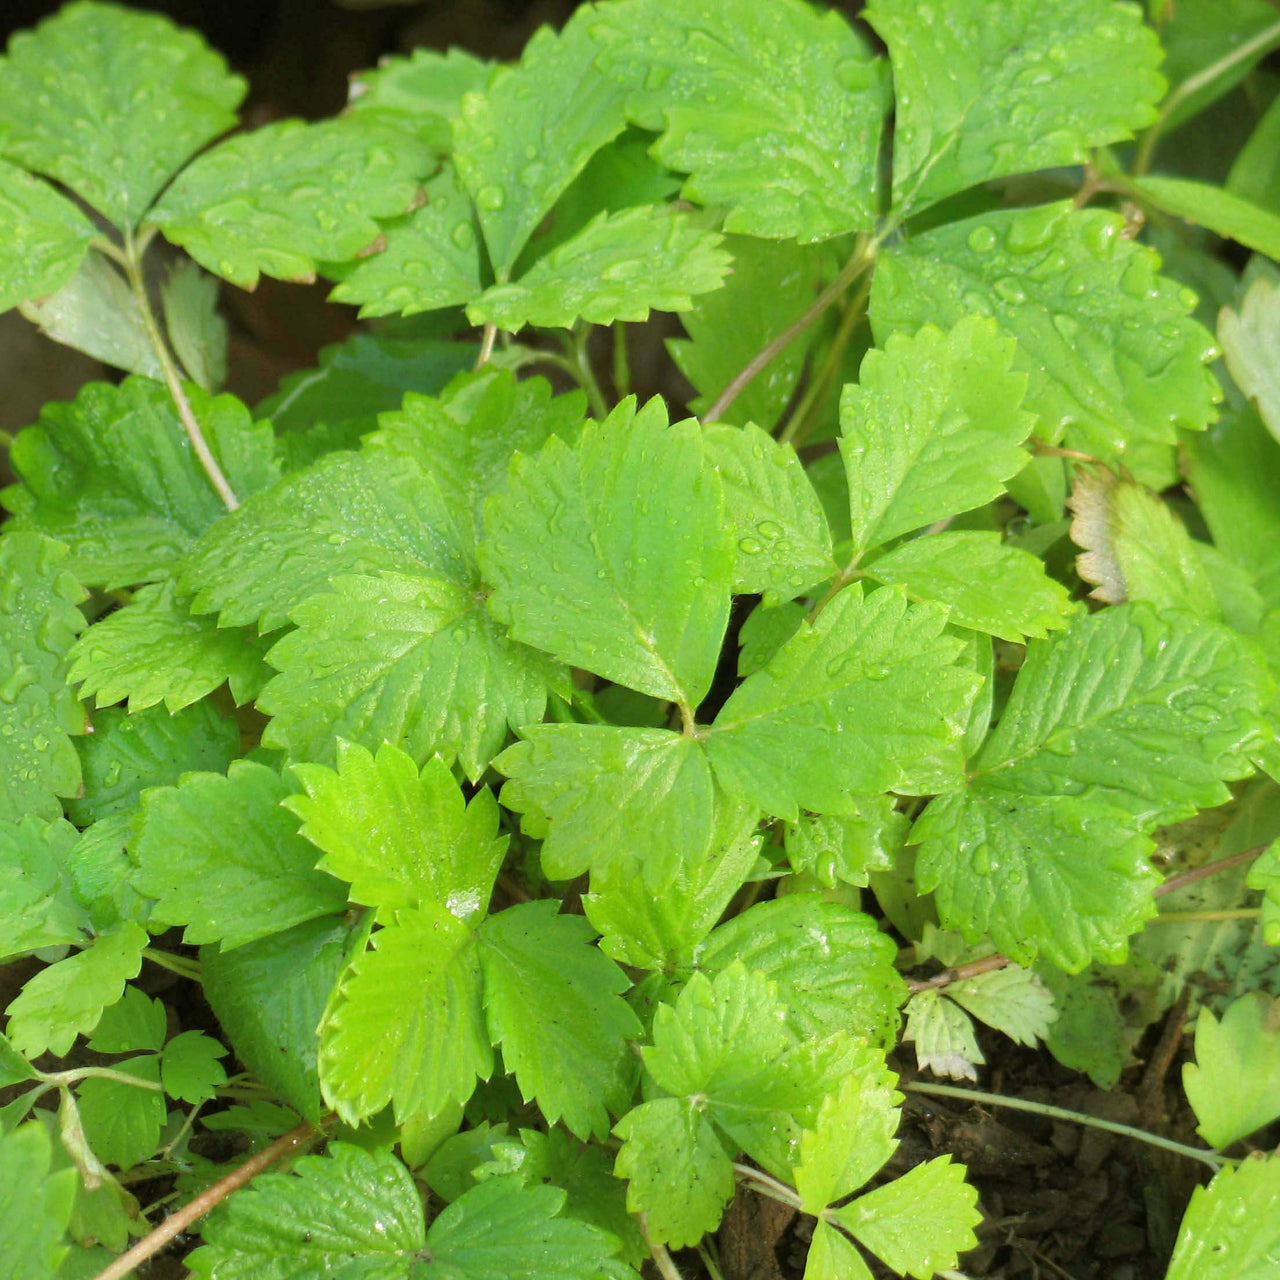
[[210, 1198], [860, 260], [974, 969], [1211, 1158], [1174, 883], [133, 271]]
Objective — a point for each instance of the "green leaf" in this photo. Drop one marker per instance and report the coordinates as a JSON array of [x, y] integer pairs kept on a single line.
[[983, 92], [784, 544], [350, 1214], [153, 650], [1231, 1230], [400, 837], [37, 906], [406, 1024], [420, 94], [833, 1256], [867, 699], [554, 1004], [127, 752], [618, 267], [430, 258], [774, 111], [1255, 172], [1222, 212], [269, 997], [920, 1223], [43, 238], [931, 429], [113, 475], [197, 333], [765, 631], [1014, 1000], [852, 1135], [38, 623], [770, 284], [286, 197], [1264, 874], [1135, 548], [832, 966], [614, 555], [100, 874], [67, 999], [122, 1121], [1090, 1032], [1248, 340], [96, 312], [35, 1206], [112, 102], [678, 1172], [988, 585], [943, 1035], [502, 1228], [136, 1022], [190, 1068], [1110, 353], [1234, 1083], [519, 145], [1124, 721], [845, 848], [14, 1068], [222, 857]]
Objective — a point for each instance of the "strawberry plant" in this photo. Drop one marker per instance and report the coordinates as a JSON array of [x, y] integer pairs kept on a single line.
[[555, 810]]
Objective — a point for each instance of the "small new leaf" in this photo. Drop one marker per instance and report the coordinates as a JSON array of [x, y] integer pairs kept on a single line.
[[189, 1067]]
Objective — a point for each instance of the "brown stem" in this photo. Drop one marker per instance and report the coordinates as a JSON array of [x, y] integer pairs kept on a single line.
[[974, 969], [1173, 883], [210, 1198]]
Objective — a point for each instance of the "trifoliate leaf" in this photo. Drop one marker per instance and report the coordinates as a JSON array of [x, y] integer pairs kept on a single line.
[[122, 1122], [1014, 1000], [678, 1172], [406, 1024], [190, 1068], [1135, 548], [988, 585], [1110, 353], [1222, 212], [620, 266], [153, 650], [283, 198], [1124, 721], [408, 659], [38, 623], [503, 1228], [943, 1035], [1264, 874], [845, 848], [419, 94], [97, 313], [269, 997], [197, 333], [554, 1005], [113, 475], [920, 1223], [932, 428], [774, 111], [783, 544], [1234, 1083], [67, 999], [43, 237], [520, 143], [614, 556], [833, 967], [867, 699], [852, 1135], [347, 1214], [466, 435], [400, 837], [770, 284], [127, 752], [37, 905], [430, 259], [136, 1022], [1231, 1230], [222, 857], [35, 1205], [833, 1256], [112, 102], [981, 90], [1248, 340]]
